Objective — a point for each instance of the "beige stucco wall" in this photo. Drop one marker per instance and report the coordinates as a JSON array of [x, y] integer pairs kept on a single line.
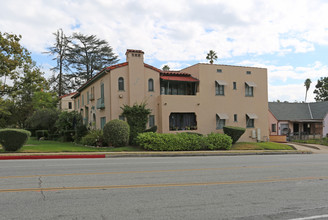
[[272, 120], [64, 103], [233, 101], [205, 104]]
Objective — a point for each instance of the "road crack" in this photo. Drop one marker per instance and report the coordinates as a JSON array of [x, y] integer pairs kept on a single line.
[[40, 187]]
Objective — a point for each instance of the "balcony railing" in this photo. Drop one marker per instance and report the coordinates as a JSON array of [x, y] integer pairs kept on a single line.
[[100, 103]]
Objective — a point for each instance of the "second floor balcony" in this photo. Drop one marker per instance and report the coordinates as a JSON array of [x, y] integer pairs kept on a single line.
[[100, 103], [178, 88]]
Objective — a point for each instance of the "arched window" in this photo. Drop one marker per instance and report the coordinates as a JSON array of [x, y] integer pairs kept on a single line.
[[121, 84], [150, 85]]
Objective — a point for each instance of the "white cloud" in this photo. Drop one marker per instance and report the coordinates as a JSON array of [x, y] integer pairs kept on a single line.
[[176, 32]]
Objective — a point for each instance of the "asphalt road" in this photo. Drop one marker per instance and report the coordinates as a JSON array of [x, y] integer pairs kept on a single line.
[[235, 187]]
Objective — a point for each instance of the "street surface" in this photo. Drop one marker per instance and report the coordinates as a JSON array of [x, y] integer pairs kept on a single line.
[[224, 187]]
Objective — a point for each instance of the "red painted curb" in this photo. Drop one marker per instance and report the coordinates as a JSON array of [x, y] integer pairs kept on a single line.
[[20, 157]]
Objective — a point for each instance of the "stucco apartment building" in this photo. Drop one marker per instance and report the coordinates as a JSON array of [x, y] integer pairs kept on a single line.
[[66, 103], [201, 98]]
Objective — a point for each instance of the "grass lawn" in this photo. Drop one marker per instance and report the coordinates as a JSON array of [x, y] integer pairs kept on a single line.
[[35, 146], [260, 146]]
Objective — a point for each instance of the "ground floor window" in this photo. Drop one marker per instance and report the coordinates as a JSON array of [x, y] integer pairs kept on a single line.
[[102, 122], [183, 121], [273, 127], [151, 121], [249, 122], [220, 123]]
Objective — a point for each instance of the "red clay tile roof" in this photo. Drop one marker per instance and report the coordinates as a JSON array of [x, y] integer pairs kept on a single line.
[[134, 51], [180, 78], [101, 72], [175, 73], [116, 66], [151, 67], [73, 93]]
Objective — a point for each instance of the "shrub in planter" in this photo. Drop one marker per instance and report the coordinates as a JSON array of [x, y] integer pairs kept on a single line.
[[216, 141], [13, 139], [116, 133], [93, 138], [234, 132], [41, 134]]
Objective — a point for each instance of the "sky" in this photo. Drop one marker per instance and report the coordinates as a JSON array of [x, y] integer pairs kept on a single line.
[[288, 37]]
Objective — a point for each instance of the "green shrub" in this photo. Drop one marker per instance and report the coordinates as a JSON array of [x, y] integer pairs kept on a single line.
[[116, 133], [152, 129], [183, 141], [93, 138], [70, 126], [43, 119], [13, 139], [216, 141], [137, 118], [234, 132], [42, 133]]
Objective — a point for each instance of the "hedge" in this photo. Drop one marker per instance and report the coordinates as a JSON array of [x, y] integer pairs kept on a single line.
[[13, 139], [183, 142], [234, 132]]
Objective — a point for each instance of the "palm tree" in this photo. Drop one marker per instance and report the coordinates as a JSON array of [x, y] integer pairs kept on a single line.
[[166, 68], [307, 84], [211, 56]]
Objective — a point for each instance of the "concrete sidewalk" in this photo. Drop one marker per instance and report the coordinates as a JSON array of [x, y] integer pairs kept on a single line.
[[314, 148], [71, 155]]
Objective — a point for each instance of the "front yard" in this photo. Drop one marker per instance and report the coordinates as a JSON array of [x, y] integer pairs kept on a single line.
[[35, 146]]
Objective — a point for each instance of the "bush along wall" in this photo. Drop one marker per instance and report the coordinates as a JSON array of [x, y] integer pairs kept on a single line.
[[183, 141], [234, 132], [13, 139], [116, 133], [137, 118]]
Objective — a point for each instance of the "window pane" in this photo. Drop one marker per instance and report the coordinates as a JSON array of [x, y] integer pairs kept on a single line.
[[150, 85], [120, 84], [220, 123], [183, 121], [151, 120], [219, 89]]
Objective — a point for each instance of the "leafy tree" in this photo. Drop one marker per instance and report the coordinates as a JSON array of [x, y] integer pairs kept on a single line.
[[60, 51], [321, 90], [211, 56], [137, 118], [307, 85], [12, 57], [89, 54], [70, 126], [42, 100], [43, 119], [166, 68], [30, 81]]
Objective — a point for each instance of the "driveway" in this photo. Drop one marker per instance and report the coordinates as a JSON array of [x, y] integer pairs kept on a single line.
[[315, 148]]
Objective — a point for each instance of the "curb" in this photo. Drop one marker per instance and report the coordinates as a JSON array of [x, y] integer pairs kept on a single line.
[[145, 154], [71, 156]]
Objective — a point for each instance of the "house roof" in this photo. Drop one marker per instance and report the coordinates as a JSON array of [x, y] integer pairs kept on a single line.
[[299, 111], [101, 73], [188, 77], [63, 96], [180, 78]]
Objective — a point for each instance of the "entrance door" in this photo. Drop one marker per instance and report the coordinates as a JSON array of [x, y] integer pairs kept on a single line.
[[284, 129]]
